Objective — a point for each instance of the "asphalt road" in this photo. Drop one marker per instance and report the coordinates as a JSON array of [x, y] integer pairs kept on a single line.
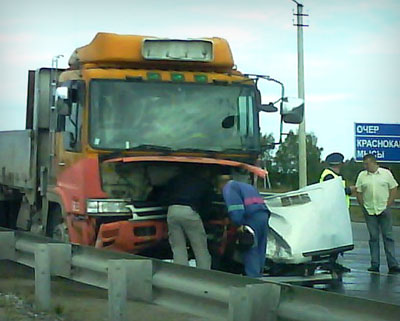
[[361, 283]]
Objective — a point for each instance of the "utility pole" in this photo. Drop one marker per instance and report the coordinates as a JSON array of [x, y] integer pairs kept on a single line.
[[300, 87]]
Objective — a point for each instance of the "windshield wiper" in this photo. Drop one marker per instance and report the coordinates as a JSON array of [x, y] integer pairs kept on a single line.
[[196, 150], [120, 151], [234, 150], [149, 147], [227, 150]]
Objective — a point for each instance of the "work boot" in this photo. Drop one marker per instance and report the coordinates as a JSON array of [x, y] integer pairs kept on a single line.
[[394, 270], [341, 268], [373, 269]]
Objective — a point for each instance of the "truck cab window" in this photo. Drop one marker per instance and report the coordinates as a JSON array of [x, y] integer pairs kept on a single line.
[[246, 115]]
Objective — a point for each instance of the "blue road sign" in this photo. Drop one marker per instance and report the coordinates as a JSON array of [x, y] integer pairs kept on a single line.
[[381, 140]]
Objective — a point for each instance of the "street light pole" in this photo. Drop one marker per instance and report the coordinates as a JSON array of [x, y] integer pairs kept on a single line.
[[300, 87]]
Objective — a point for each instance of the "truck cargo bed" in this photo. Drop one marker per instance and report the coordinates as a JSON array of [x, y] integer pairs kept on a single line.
[[16, 159]]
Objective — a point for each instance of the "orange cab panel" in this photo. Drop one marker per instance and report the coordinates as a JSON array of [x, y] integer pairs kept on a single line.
[[131, 236]]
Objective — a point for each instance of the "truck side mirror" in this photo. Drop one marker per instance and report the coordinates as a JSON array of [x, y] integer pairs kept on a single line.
[[292, 110], [268, 108], [63, 103], [65, 97], [68, 140], [63, 108]]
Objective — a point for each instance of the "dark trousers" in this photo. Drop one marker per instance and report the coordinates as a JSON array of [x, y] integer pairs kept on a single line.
[[383, 223]]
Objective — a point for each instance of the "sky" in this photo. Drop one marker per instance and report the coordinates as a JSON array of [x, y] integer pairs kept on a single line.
[[351, 51]]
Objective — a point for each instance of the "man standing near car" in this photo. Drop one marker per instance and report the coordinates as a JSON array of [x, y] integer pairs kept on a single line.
[[247, 210], [335, 163], [376, 192]]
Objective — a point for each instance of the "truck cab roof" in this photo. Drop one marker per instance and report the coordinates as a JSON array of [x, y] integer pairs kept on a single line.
[[134, 51]]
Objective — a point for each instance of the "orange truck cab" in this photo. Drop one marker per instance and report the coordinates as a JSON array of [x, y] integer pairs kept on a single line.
[[105, 136]]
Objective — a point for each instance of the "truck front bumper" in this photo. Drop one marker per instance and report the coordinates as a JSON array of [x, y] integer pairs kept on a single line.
[[131, 236]]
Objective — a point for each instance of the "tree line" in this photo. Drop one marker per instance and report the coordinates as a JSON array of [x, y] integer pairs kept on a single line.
[[283, 164]]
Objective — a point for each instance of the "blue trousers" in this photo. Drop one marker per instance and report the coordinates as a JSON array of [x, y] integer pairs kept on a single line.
[[254, 258], [382, 222]]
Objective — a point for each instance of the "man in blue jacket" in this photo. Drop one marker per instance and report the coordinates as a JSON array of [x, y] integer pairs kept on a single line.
[[246, 208]]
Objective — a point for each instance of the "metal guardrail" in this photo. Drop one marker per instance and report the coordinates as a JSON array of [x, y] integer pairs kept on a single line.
[[214, 294], [353, 200]]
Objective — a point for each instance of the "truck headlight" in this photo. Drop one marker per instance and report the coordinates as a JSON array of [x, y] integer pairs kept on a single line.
[[107, 206]]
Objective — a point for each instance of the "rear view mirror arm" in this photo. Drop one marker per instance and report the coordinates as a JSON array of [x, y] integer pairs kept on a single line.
[[280, 100]]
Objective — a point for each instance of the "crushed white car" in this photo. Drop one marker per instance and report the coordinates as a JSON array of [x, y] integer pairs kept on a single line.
[[309, 223]]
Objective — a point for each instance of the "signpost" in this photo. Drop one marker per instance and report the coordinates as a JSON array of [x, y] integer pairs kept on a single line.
[[381, 140]]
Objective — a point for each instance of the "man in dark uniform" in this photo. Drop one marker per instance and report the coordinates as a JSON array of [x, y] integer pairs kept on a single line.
[[335, 162]]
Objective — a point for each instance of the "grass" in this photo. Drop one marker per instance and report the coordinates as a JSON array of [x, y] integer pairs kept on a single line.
[[5, 302], [7, 310], [59, 309], [10, 312]]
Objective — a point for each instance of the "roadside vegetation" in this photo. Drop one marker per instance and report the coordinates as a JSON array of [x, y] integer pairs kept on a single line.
[[16, 308]]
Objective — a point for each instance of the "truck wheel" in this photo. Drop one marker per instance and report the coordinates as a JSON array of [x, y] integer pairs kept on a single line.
[[3, 214], [8, 214], [60, 233], [56, 228], [336, 281], [309, 270]]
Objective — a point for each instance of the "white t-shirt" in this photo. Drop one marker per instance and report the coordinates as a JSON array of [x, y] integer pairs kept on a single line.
[[375, 188]]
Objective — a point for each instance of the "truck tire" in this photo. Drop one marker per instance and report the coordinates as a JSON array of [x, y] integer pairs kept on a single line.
[[3, 214], [8, 214], [56, 227]]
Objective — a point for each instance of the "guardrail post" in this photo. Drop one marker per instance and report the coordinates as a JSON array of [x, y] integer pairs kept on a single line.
[[117, 291], [254, 302], [128, 278], [264, 300], [140, 279], [60, 254], [7, 248], [239, 306], [42, 277]]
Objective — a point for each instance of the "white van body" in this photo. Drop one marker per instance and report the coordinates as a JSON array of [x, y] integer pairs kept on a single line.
[[311, 221]]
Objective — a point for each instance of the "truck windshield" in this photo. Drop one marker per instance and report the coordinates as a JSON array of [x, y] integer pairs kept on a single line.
[[128, 115]]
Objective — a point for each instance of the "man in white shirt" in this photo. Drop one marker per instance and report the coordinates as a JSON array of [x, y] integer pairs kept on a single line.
[[376, 192]]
